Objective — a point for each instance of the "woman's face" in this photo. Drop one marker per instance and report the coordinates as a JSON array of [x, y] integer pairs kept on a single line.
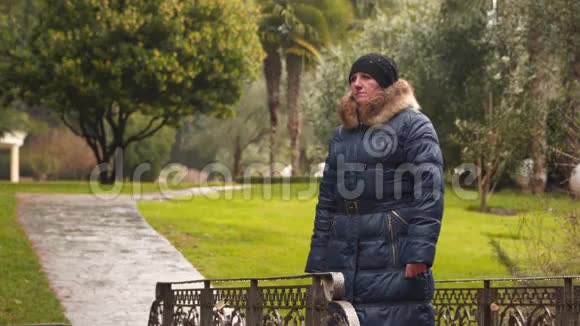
[[364, 88]]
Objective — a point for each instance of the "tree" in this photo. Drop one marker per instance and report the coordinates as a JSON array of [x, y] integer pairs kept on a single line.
[[15, 16], [277, 18], [298, 30], [540, 93], [98, 63], [547, 25], [303, 50], [564, 122], [227, 141]]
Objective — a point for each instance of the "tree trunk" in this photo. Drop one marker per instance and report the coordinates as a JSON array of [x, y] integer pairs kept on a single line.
[[294, 70], [111, 167], [483, 185], [571, 117], [539, 99], [237, 157], [483, 202], [176, 148], [104, 171], [272, 72]]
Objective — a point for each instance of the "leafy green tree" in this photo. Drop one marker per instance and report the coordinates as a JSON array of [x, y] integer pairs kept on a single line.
[[569, 143], [526, 36], [550, 49], [555, 85], [15, 16], [99, 63]]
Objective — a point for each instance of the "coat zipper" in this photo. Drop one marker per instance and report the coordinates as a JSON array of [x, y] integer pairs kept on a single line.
[[392, 234], [332, 223], [400, 218]]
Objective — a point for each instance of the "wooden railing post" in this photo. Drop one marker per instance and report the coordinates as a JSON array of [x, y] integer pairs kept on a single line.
[[164, 292], [254, 304], [206, 303]]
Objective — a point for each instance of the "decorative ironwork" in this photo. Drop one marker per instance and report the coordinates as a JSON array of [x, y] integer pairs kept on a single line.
[[526, 302], [155, 313], [548, 301], [253, 305], [235, 297], [187, 297], [185, 316], [456, 306], [233, 317], [283, 297]]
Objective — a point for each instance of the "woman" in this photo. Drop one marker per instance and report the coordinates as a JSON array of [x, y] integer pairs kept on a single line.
[[381, 199]]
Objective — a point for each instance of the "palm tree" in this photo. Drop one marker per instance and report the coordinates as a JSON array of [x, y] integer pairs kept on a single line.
[[277, 19], [302, 52], [298, 31]]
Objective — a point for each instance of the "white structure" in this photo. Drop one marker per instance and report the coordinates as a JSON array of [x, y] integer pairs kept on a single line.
[[524, 173], [286, 171], [575, 181], [13, 140], [319, 170]]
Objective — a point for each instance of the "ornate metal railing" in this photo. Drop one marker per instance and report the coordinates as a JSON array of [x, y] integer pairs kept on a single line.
[[553, 301], [544, 301], [213, 302]]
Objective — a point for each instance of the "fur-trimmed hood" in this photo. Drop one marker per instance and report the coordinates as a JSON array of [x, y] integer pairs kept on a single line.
[[391, 100]]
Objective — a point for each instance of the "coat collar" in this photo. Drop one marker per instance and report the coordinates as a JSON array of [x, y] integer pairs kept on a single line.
[[392, 100]]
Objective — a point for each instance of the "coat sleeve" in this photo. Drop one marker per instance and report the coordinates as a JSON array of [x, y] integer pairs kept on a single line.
[[424, 214], [325, 209]]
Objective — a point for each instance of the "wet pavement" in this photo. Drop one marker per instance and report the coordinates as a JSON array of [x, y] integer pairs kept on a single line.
[[101, 257]]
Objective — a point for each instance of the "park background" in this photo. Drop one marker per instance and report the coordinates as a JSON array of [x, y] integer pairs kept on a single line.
[[103, 89]]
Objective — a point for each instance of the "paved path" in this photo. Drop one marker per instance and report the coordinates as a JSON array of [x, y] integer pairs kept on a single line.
[[101, 257]]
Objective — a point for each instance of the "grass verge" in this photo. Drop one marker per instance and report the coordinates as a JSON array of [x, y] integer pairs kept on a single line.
[[24, 293], [258, 236]]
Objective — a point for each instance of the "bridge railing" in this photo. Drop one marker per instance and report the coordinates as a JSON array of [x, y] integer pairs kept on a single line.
[[317, 299]]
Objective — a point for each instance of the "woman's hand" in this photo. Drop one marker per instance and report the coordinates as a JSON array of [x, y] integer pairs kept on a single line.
[[413, 269]]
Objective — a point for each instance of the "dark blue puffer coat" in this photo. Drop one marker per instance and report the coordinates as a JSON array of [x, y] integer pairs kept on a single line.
[[380, 207]]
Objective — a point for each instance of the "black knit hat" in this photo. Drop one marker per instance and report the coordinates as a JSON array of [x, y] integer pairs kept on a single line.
[[382, 68]]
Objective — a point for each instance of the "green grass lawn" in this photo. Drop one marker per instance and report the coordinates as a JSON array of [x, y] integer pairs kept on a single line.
[[261, 233], [257, 237], [83, 187], [24, 293]]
